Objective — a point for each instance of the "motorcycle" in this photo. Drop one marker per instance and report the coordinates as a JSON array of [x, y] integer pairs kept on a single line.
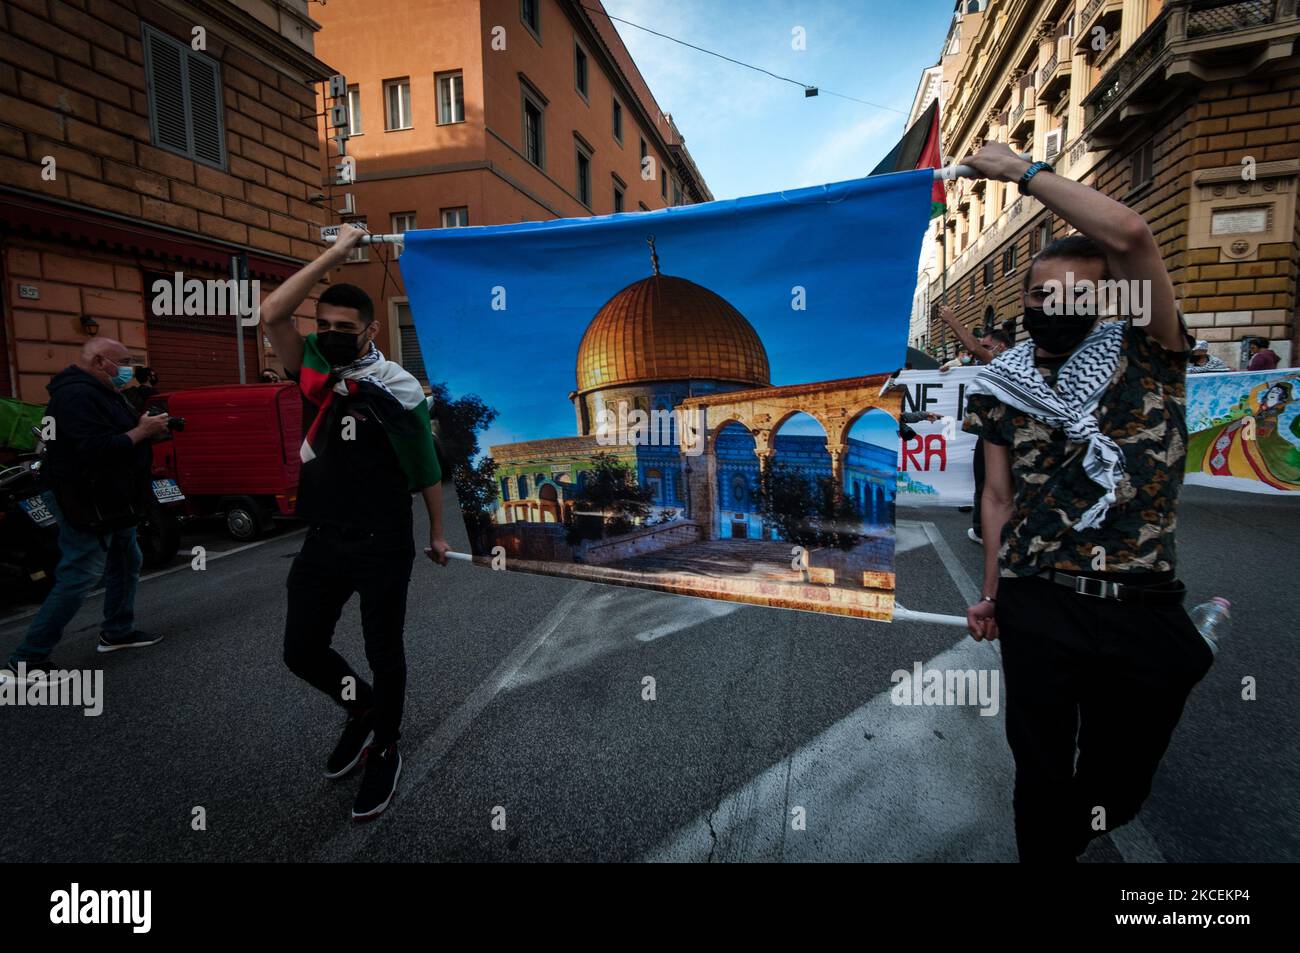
[[29, 530]]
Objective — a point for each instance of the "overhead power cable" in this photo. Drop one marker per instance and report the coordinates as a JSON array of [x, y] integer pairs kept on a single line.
[[809, 89]]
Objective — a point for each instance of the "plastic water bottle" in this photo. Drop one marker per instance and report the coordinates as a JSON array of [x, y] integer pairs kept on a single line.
[[1212, 620]]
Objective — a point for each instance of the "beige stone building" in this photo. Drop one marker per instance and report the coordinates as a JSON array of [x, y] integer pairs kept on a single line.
[[1186, 110]]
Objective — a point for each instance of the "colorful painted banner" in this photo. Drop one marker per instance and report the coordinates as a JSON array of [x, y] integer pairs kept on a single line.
[[1244, 431], [1243, 434], [687, 400]]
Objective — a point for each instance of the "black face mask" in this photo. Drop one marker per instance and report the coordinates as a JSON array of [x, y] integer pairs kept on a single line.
[[338, 347], [1058, 334]]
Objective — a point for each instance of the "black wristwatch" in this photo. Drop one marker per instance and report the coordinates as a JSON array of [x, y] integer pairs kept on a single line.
[[1032, 171]]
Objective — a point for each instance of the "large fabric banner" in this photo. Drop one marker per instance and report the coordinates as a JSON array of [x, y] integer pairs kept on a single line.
[[688, 400], [1243, 434], [934, 466], [1244, 431]]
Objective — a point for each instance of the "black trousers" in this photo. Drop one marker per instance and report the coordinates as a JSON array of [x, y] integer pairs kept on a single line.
[[1094, 689], [325, 574], [978, 464]]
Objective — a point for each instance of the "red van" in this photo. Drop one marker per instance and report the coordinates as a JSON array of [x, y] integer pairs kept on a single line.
[[236, 455]]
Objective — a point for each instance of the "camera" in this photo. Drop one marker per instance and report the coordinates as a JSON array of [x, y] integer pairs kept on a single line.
[[174, 424]]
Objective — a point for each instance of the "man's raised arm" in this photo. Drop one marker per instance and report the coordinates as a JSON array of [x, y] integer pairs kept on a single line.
[[967, 339], [1131, 250], [280, 304]]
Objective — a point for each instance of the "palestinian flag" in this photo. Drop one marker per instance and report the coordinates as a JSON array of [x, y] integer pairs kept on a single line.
[[918, 149], [392, 394]]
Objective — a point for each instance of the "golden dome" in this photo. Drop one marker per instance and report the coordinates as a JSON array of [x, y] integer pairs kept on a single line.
[[665, 328]]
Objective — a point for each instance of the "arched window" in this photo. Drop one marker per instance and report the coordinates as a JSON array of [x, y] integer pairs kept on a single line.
[[505, 488], [522, 484]]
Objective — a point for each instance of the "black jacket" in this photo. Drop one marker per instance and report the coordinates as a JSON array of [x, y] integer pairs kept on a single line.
[[91, 457]]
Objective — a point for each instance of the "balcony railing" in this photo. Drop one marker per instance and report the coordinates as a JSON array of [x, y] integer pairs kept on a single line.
[[1177, 26], [1120, 77], [1045, 74], [1088, 10], [1097, 13], [1229, 17]]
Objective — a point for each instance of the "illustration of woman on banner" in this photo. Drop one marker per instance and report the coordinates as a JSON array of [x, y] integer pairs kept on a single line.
[[1249, 445]]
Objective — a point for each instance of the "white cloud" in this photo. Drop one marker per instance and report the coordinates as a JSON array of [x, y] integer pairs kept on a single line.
[[849, 153]]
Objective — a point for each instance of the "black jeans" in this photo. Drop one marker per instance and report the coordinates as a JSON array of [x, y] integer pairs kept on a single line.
[[1101, 678], [325, 574], [978, 464]]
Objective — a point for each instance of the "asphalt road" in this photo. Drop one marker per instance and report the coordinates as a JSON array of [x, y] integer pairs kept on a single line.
[[771, 735]]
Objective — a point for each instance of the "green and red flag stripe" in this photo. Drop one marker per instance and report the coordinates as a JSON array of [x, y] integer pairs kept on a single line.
[[918, 149], [392, 393]]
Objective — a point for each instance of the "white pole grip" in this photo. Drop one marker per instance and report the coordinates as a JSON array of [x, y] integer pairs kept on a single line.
[[910, 615], [374, 239], [949, 172]]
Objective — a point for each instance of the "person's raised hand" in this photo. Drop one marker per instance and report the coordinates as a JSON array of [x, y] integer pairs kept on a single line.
[[350, 234], [996, 161]]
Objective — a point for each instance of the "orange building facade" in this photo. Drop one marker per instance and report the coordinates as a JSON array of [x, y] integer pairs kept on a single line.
[[464, 112], [138, 139]]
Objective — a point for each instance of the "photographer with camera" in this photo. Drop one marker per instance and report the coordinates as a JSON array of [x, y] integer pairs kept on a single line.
[[1085, 437], [98, 462]]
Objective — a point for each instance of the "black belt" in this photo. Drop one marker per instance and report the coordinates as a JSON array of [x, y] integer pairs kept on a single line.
[[1169, 592]]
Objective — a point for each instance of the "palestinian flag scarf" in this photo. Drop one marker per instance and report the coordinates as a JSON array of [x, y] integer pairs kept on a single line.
[[918, 149], [396, 396]]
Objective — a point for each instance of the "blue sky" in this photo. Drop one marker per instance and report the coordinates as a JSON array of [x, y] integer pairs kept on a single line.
[[749, 133], [849, 247]]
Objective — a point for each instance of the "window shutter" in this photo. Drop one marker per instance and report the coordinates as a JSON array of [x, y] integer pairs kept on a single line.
[[185, 100], [412, 359], [205, 109], [167, 92]]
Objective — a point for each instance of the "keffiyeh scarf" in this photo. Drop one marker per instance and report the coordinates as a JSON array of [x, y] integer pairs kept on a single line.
[[395, 394], [1071, 405]]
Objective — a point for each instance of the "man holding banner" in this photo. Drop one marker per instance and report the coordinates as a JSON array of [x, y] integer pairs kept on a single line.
[[368, 446], [1084, 439]]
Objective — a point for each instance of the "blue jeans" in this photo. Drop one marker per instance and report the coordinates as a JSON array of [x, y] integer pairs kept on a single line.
[[84, 558]]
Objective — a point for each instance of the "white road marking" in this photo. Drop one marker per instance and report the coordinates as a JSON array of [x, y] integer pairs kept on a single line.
[[211, 557], [423, 760], [905, 794], [960, 577]]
